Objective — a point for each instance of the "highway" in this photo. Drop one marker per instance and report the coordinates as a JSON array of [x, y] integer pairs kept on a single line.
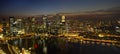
[[4, 49], [7, 48]]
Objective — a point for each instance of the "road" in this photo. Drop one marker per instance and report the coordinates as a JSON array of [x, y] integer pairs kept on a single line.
[[4, 47]]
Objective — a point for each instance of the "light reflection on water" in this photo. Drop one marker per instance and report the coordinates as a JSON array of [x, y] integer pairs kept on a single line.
[[60, 46]]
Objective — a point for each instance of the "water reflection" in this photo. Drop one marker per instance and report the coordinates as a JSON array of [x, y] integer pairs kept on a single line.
[[56, 45]]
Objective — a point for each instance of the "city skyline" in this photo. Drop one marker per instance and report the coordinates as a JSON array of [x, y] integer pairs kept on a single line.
[[37, 7], [59, 26]]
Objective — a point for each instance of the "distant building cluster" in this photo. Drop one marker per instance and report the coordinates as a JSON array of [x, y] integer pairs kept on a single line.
[[60, 24]]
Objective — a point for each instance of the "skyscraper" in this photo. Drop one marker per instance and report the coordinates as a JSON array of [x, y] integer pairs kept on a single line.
[[45, 25], [63, 24], [20, 26], [4, 27], [12, 24], [11, 21], [33, 24]]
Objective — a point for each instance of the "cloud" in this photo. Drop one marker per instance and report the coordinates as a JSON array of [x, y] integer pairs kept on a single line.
[[115, 10]]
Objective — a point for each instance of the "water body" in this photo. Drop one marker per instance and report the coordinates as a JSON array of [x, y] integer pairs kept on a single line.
[[61, 46]]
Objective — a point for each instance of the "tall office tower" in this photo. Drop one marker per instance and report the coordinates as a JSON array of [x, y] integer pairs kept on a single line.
[[63, 24], [45, 23], [58, 24], [11, 21], [63, 19], [33, 24], [27, 25], [20, 26], [4, 27], [19, 23]]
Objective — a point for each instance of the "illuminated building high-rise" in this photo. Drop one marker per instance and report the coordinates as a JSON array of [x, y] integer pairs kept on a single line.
[[11, 21], [20, 26], [63, 24], [44, 22], [4, 27], [33, 24]]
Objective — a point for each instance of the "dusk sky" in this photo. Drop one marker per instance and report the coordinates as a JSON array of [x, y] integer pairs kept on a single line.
[[37, 7]]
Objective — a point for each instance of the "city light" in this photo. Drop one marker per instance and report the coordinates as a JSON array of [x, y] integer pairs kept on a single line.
[[59, 27], [101, 35], [21, 31], [1, 35]]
